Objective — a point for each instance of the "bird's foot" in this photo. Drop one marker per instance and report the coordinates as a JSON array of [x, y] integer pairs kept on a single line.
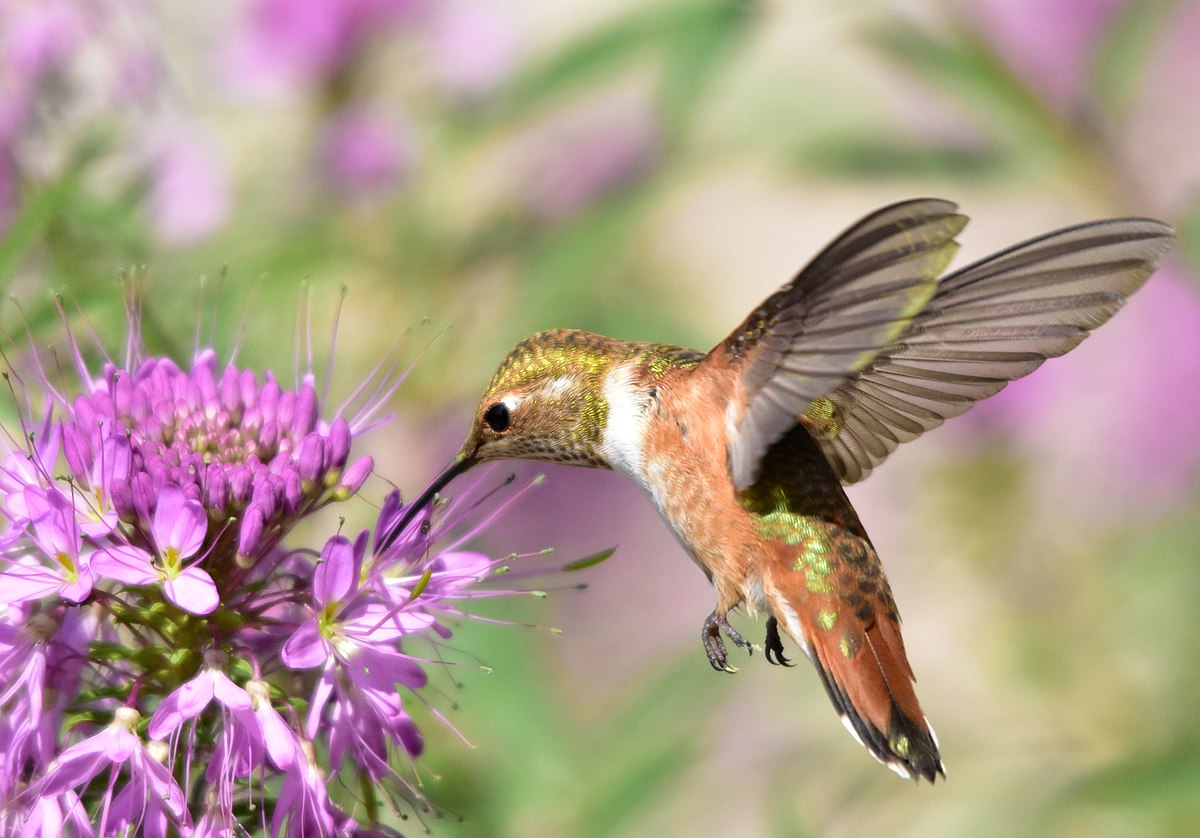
[[718, 656], [774, 645]]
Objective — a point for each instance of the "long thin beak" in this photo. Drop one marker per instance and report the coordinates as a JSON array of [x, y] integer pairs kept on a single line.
[[457, 466]]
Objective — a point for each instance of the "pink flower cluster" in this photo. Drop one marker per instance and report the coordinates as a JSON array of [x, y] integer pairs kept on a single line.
[[169, 663]]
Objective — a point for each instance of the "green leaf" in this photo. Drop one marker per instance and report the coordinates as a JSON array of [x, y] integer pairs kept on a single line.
[[1188, 229], [36, 214], [590, 561], [1155, 789], [961, 64], [701, 44], [1120, 61], [855, 156], [646, 745], [696, 28]]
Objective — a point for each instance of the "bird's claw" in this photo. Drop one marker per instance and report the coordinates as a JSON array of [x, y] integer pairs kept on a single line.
[[774, 645], [714, 646]]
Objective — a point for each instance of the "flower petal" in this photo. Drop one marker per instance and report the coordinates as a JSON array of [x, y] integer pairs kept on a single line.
[[193, 590], [24, 582], [179, 523], [186, 702], [125, 564], [306, 647], [81, 588], [283, 746], [229, 693], [335, 575]]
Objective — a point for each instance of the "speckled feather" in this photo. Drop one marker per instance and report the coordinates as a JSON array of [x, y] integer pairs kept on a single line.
[[824, 582]]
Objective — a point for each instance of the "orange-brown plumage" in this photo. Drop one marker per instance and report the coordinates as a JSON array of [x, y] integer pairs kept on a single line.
[[823, 582], [745, 450], [750, 543]]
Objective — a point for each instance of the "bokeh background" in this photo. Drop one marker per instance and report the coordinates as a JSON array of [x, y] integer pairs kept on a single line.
[[471, 171]]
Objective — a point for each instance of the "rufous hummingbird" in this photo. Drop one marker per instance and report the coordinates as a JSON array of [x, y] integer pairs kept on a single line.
[[745, 449]]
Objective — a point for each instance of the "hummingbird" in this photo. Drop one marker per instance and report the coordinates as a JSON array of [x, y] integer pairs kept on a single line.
[[745, 449]]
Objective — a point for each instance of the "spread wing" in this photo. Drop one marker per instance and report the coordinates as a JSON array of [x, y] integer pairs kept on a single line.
[[857, 297], [987, 324]]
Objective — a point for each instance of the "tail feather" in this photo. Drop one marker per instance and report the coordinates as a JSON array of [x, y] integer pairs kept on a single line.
[[865, 672]]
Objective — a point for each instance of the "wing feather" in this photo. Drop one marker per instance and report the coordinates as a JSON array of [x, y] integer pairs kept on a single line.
[[987, 324], [854, 299]]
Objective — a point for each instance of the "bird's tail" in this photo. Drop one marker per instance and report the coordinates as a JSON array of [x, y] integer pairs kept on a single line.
[[852, 635]]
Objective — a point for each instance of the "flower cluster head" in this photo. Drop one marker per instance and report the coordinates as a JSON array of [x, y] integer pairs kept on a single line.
[[169, 662]]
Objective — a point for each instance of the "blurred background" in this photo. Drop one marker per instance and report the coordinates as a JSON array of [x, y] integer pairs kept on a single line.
[[472, 171]]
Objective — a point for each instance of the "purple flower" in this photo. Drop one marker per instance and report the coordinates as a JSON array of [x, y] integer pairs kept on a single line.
[[363, 155], [352, 634], [65, 64], [178, 533], [64, 567], [303, 807], [111, 468], [285, 43], [49, 817], [217, 822], [584, 153], [42, 657], [22, 468], [36, 41], [149, 798], [146, 569], [192, 697], [40, 37], [282, 744], [24, 652], [190, 194]]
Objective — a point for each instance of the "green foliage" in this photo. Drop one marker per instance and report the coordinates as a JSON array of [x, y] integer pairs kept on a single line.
[[546, 758], [590, 561], [694, 36], [961, 64], [1122, 57], [1189, 236]]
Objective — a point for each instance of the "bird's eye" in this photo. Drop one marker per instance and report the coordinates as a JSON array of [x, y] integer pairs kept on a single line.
[[497, 418]]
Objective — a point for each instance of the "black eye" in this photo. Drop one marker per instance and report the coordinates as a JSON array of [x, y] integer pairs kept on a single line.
[[497, 418]]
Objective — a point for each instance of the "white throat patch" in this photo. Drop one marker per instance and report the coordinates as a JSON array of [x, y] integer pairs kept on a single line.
[[622, 441]]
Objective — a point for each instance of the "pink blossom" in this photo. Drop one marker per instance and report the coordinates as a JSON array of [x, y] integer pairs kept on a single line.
[[286, 43], [474, 46], [192, 697], [303, 807], [148, 797], [40, 37], [364, 155], [97, 514], [179, 528], [1049, 43], [64, 568], [154, 484], [585, 153], [190, 190]]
